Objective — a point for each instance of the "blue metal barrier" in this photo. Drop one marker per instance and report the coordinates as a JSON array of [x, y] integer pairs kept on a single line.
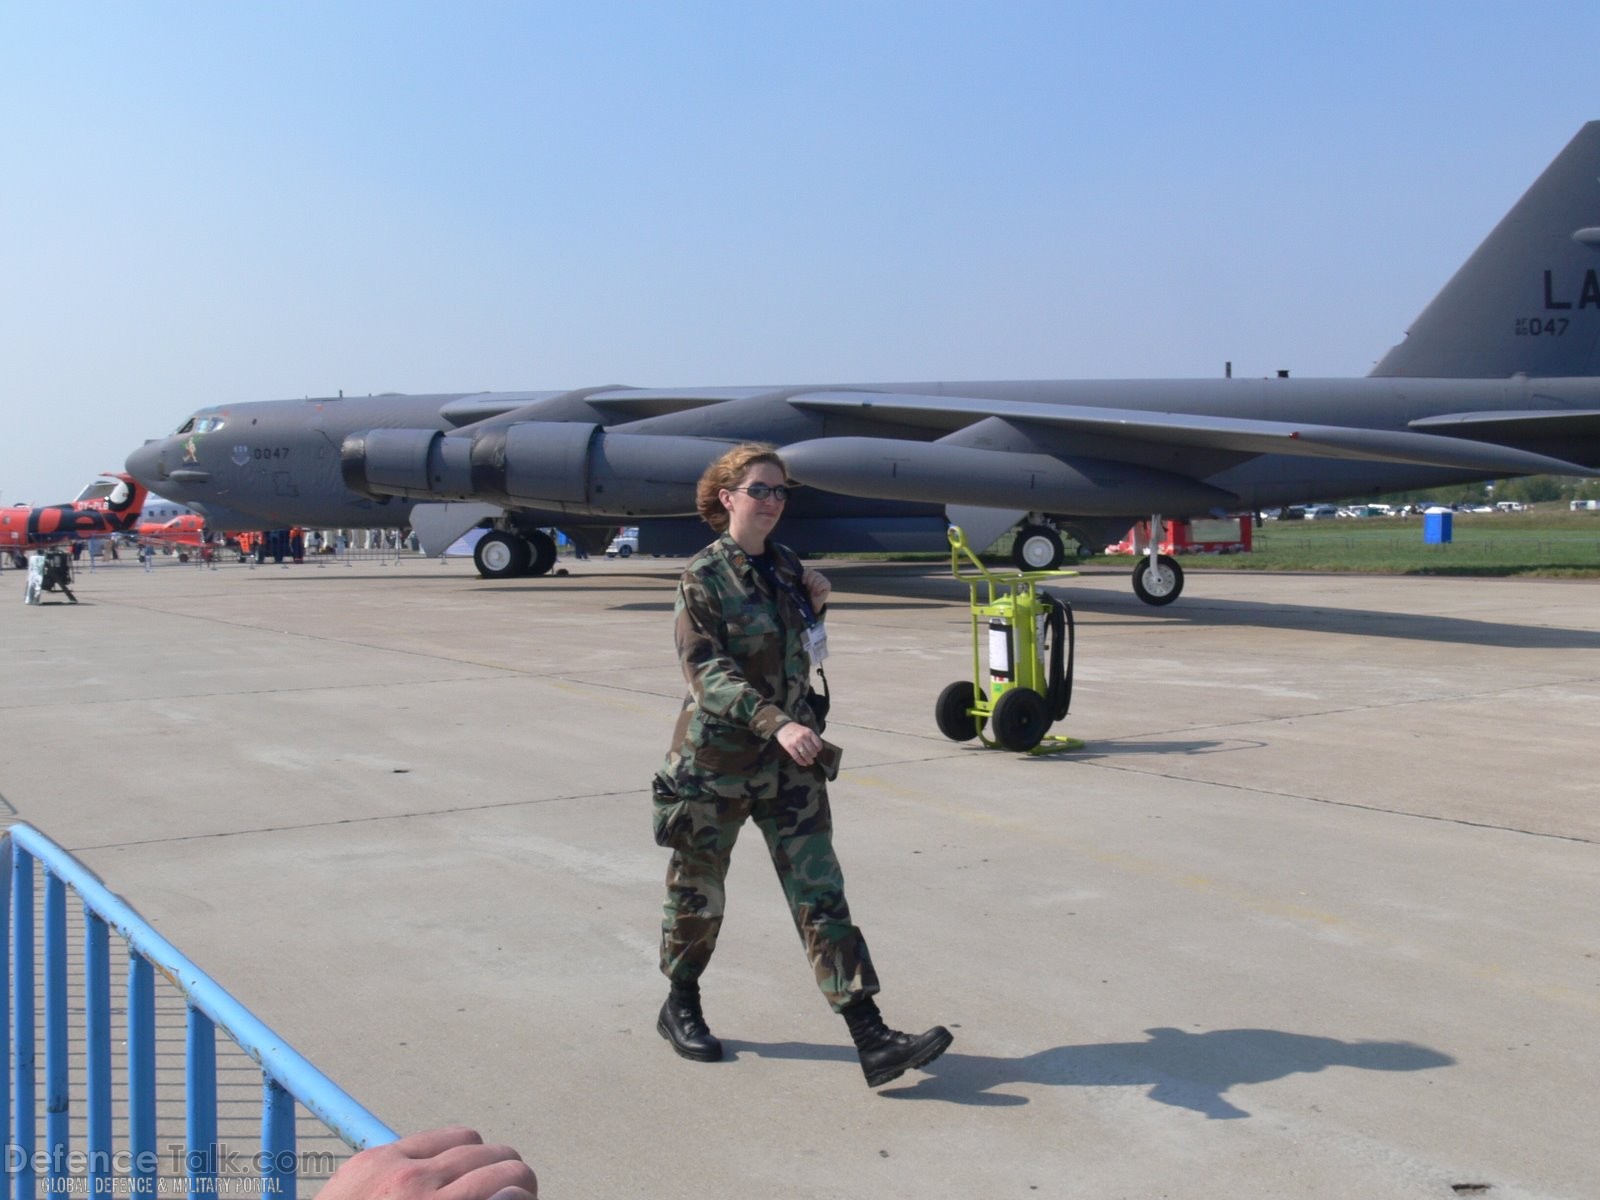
[[105, 1170]]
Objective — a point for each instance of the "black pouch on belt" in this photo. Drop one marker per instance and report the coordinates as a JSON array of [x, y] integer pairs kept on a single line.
[[819, 701]]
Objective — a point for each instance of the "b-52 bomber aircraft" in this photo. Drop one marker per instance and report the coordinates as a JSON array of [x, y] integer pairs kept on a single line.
[[1497, 377]]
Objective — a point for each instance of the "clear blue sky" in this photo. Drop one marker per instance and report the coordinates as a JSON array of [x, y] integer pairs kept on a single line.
[[218, 202]]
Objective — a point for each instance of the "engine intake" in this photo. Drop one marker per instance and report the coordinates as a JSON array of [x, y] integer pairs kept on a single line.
[[566, 466]]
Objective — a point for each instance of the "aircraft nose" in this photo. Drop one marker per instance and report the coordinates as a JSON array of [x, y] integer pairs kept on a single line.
[[145, 464]]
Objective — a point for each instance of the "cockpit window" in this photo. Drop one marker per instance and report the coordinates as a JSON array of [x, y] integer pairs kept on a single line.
[[101, 489], [199, 424]]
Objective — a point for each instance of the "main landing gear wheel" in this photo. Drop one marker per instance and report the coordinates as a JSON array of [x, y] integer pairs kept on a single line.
[[501, 555], [950, 711], [1021, 717], [541, 552], [1037, 548], [1162, 585]]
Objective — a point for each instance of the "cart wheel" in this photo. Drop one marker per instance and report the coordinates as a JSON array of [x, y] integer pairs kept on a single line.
[[951, 713], [1021, 717]]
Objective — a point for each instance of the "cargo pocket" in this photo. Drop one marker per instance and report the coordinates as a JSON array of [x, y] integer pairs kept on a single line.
[[686, 815], [669, 812]]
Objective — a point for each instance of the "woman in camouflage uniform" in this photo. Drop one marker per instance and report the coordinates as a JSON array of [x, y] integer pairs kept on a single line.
[[747, 745]]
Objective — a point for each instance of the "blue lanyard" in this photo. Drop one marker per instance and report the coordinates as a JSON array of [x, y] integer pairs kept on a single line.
[[769, 571]]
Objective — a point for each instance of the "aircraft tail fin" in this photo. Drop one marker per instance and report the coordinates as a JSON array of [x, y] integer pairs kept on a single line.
[[126, 500], [1528, 300]]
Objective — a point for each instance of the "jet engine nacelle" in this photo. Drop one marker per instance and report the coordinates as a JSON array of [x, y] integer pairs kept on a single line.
[[565, 466], [419, 464], [943, 473]]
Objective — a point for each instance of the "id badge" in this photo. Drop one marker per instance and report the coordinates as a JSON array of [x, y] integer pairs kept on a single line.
[[816, 643]]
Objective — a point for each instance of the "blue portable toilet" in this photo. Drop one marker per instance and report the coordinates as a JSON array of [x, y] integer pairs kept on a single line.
[[1436, 526]]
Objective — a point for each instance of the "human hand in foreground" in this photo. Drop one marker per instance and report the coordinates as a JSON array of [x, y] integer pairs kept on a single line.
[[817, 587], [437, 1164], [800, 743]]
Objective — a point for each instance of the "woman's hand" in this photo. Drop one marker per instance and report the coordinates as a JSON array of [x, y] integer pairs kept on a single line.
[[817, 587], [800, 743], [438, 1163]]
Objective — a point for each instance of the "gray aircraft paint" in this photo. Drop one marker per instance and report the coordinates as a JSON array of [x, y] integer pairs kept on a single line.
[[1496, 377]]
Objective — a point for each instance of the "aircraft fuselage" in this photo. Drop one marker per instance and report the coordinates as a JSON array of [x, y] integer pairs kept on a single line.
[[271, 464]]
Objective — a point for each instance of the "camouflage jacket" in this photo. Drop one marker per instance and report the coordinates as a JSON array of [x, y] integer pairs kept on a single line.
[[743, 653]]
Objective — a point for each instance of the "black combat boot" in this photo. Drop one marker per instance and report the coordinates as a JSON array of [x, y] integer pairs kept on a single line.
[[682, 1024], [886, 1053]]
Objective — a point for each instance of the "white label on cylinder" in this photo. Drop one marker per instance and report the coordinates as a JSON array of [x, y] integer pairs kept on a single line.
[[1000, 650]]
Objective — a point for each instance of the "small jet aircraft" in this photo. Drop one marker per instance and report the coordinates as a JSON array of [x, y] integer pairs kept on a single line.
[[187, 529], [176, 528], [1499, 376], [110, 505], [167, 523]]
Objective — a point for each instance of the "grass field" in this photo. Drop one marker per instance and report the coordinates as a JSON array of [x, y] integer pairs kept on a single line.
[[1550, 543]]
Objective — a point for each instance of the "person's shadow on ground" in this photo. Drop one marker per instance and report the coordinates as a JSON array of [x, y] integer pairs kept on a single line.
[[1186, 1070]]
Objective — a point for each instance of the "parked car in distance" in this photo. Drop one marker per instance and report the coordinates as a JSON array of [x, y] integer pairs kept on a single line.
[[626, 543]]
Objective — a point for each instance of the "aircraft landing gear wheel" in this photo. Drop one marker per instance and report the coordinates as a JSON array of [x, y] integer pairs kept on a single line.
[[951, 715], [1160, 586], [541, 552], [1021, 717], [1037, 548], [500, 555]]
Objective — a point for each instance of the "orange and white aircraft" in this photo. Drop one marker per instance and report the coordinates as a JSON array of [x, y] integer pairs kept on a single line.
[[188, 529], [110, 505]]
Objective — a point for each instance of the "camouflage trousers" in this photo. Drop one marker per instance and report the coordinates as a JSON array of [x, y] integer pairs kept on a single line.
[[789, 804]]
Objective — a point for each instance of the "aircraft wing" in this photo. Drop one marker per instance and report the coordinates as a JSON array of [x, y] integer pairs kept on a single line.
[[481, 406], [1201, 431], [1546, 423], [636, 404], [622, 403]]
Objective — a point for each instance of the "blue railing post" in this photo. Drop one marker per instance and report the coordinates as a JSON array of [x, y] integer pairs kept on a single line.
[[289, 1080], [6, 846], [56, 1099], [278, 1170], [97, 1031], [200, 1047], [23, 1129], [141, 1075]]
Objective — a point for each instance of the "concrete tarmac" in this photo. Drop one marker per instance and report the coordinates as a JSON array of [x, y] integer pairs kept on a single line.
[[1313, 914]]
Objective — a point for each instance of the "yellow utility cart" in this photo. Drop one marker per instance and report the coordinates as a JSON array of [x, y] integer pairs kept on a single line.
[[1030, 639]]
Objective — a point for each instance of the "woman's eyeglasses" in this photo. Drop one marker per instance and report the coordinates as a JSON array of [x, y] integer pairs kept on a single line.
[[762, 491]]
